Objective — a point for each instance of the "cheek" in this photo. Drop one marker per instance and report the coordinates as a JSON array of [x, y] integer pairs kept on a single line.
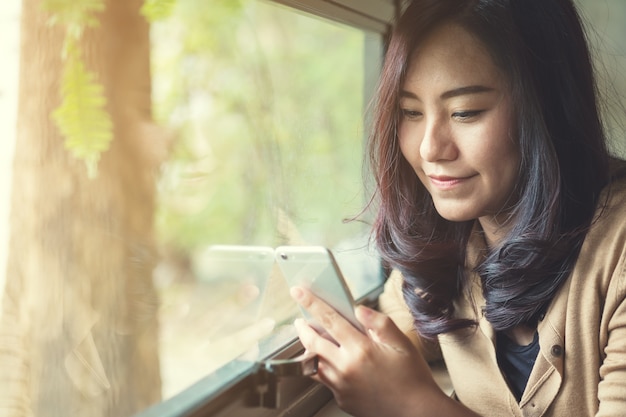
[[497, 148], [409, 145], [504, 161], [494, 156]]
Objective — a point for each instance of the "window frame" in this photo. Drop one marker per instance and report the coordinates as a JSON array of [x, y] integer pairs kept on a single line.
[[371, 15]]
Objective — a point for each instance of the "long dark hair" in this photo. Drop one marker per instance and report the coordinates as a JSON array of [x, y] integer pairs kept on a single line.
[[541, 48]]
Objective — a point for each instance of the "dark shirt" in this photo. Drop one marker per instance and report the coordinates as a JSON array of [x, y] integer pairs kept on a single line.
[[516, 361]]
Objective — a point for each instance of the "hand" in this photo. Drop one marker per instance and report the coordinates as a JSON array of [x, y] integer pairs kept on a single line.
[[377, 374]]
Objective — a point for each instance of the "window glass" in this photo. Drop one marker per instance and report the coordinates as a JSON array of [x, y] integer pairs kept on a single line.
[[265, 106], [607, 33], [262, 109]]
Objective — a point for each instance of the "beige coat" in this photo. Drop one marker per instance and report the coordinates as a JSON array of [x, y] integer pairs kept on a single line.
[[581, 367]]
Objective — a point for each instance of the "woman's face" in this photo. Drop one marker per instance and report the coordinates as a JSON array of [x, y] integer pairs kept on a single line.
[[456, 127]]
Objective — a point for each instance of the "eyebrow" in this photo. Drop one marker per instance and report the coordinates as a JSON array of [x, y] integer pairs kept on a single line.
[[470, 89]]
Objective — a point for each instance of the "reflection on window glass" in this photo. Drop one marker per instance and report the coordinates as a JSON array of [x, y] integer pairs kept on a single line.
[[266, 108]]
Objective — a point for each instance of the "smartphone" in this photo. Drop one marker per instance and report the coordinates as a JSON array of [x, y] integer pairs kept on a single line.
[[315, 268]]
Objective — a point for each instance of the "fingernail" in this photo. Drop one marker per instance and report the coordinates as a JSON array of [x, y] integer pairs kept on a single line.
[[364, 312], [296, 293]]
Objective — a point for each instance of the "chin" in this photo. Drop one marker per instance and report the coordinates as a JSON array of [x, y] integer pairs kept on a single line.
[[458, 219], [456, 215]]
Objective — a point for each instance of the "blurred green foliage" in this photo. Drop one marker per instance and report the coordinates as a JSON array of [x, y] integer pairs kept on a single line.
[[267, 104], [154, 10], [82, 117], [74, 14]]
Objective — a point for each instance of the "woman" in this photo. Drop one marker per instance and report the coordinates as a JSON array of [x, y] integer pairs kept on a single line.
[[501, 209]]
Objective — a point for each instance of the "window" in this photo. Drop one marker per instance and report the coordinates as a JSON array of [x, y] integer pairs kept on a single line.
[[269, 104], [262, 104], [270, 107]]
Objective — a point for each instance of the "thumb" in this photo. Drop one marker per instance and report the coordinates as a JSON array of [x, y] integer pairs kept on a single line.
[[381, 328]]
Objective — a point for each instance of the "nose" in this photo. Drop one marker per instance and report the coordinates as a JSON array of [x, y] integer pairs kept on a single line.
[[437, 142]]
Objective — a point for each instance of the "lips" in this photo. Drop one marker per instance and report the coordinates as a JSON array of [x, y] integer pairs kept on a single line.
[[444, 182]]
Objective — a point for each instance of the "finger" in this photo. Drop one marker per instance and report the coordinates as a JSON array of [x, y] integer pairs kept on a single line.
[[313, 342], [326, 374], [381, 328], [336, 325], [324, 349]]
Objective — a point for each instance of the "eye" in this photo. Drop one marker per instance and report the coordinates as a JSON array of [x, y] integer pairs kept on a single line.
[[466, 115], [410, 114]]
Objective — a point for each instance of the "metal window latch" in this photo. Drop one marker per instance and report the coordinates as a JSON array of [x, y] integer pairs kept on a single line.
[[268, 375]]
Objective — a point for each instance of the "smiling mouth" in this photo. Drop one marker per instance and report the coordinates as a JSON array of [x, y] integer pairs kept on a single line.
[[447, 183]]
